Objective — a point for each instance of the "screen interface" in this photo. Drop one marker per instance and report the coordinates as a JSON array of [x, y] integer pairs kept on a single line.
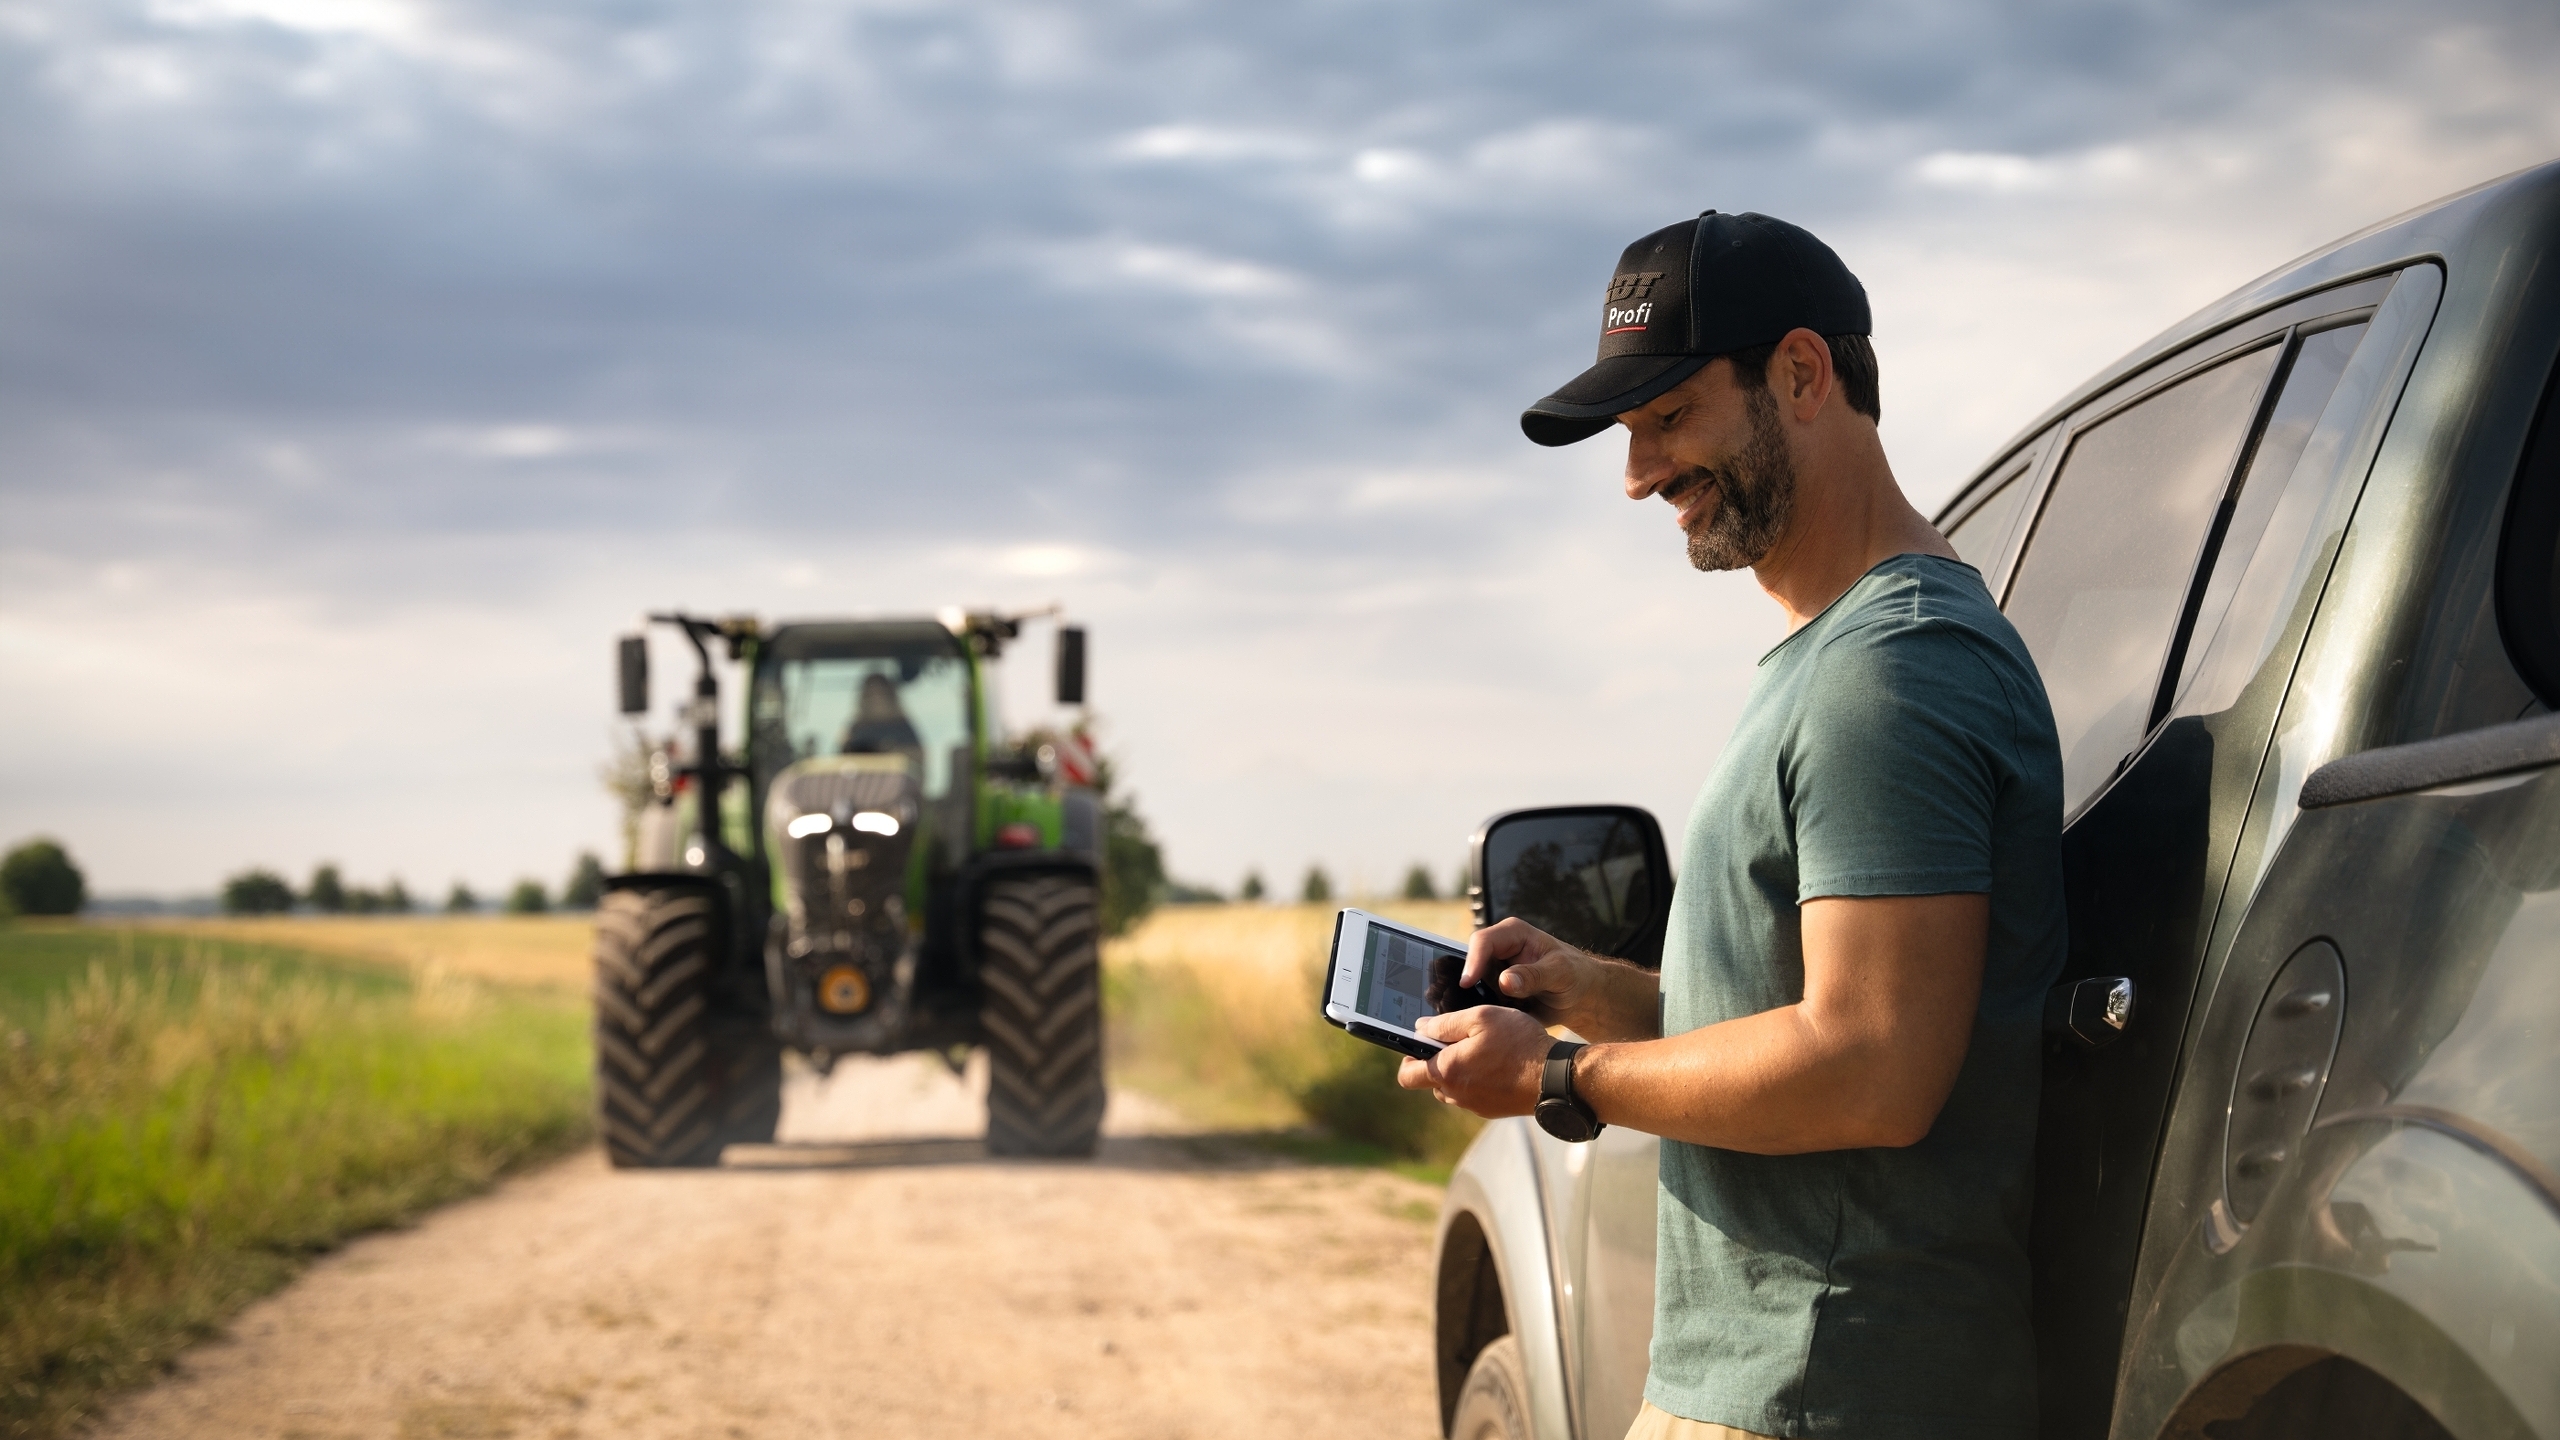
[[1395, 975]]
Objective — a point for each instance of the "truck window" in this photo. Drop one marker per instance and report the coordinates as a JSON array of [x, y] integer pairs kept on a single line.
[[2272, 510], [1978, 535], [2528, 603], [2101, 585]]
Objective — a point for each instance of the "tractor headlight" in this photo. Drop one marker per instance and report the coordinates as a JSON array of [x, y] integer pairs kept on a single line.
[[876, 822], [808, 825]]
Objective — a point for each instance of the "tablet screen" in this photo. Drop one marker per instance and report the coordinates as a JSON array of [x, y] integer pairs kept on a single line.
[[1395, 976]]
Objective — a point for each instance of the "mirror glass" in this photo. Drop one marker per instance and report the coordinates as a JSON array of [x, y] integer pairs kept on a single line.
[[1070, 664], [633, 654], [1580, 875]]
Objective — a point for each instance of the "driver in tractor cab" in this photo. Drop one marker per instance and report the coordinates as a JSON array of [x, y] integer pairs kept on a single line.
[[880, 724]]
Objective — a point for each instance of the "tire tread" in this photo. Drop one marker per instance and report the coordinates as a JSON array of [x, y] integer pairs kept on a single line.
[[675, 1080], [1040, 975]]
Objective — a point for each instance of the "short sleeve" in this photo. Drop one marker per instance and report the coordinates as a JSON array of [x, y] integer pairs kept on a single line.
[[1898, 753]]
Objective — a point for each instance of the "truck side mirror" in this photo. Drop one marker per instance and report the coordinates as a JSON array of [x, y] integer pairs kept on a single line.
[[1594, 876], [634, 654], [1070, 664]]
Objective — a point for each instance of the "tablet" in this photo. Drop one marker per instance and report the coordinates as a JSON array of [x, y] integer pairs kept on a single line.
[[1386, 975]]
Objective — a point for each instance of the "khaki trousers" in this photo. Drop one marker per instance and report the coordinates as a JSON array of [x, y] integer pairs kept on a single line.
[[1652, 1424]]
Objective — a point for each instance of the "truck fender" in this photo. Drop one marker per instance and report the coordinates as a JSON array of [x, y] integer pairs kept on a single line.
[[1495, 1216], [2411, 1251]]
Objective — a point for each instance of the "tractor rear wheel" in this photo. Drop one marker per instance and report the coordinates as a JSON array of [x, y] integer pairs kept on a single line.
[[676, 1078], [1040, 968]]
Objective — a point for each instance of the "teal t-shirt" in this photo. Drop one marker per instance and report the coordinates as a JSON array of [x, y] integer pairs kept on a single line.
[[1897, 744]]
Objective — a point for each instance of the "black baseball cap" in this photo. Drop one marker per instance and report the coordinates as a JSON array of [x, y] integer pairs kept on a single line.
[[1688, 293]]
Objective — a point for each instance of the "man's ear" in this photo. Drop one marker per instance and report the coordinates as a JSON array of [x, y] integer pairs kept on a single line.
[[1800, 374]]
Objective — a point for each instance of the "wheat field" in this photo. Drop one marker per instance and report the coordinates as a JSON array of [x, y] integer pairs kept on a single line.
[[1242, 945], [547, 951], [1214, 1008]]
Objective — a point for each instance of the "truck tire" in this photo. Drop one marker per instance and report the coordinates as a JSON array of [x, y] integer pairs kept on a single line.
[[676, 1079], [1040, 972], [1494, 1403]]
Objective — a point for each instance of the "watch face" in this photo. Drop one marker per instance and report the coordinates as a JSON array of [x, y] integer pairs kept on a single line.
[[1566, 1121]]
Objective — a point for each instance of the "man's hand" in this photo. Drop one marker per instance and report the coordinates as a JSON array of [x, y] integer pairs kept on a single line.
[[1492, 1062], [1597, 999]]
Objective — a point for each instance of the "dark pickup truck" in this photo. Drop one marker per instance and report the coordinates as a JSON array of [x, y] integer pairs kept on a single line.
[[2291, 572]]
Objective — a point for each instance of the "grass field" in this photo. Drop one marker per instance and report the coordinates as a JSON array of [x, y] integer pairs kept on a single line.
[[544, 950], [1214, 1008], [184, 1117], [189, 1109]]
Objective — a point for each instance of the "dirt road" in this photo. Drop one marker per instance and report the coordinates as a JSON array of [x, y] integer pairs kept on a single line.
[[871, 1276]]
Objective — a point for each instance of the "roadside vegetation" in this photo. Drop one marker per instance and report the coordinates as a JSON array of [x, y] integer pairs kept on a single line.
[[184, 1118], [1214, 1009], [190, 1110]]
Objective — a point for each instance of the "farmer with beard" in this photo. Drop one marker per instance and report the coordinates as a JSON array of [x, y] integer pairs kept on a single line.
[[1841, 1050]]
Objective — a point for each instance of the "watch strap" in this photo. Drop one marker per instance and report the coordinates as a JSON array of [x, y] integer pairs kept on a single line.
[[1560, 1112], [1556, 1081]]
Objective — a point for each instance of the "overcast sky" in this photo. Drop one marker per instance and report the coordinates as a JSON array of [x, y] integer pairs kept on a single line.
[[367, 365]]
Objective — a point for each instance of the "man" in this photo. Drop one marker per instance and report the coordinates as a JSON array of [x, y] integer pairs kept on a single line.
[[880, 725], [1841, 1051]]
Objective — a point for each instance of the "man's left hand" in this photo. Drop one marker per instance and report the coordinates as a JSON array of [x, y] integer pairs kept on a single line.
[[1491, 1065]]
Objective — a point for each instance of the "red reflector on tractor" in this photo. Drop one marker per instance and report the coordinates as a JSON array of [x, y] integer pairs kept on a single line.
[[1017, 836]]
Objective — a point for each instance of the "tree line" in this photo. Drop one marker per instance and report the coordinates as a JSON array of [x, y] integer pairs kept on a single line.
[[1317, 888], [260, 891], [38, 877]]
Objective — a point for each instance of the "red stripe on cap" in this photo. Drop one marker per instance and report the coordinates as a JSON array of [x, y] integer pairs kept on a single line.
[[1623, 330]]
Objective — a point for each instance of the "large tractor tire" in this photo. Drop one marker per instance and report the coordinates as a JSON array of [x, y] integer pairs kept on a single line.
[[1039, 966], [676, 1079]]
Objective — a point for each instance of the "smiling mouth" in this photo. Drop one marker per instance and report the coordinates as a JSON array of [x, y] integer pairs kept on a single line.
[[1688, 497]]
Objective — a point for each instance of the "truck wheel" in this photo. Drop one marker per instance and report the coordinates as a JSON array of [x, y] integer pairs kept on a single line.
[[1042, 1014], [675, 1079], [1494, 1403]]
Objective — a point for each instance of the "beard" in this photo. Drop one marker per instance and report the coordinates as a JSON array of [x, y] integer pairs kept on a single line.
[[1755, 493]]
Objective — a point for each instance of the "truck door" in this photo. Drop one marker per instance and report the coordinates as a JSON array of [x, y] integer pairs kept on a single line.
[[2134, 591]]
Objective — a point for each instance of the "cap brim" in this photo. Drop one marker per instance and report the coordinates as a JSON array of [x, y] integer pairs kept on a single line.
[[1591, 401]]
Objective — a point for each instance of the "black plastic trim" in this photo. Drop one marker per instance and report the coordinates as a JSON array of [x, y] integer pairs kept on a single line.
[[2425, 764], [2528, 593], [1378, 1035]]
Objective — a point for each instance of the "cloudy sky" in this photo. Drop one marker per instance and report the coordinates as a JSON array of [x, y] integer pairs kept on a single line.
[[367, 365]]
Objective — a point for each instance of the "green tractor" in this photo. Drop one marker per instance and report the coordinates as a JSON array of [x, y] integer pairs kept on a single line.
[[876, 872]]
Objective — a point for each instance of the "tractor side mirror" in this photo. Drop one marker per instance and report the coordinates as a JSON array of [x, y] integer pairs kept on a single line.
[[1593, 876], [1070, 664], [634, 654]]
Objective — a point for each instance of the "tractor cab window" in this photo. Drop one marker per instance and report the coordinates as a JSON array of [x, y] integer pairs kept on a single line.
[[850, 693]]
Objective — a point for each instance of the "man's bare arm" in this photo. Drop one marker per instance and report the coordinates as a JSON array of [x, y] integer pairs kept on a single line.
[[1866, 1058]]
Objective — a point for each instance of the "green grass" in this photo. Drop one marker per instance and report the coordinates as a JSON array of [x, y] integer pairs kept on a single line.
[[183, 1121], [40, 962]]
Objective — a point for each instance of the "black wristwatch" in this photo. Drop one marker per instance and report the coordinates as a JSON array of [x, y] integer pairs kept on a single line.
[[1561, 1113]]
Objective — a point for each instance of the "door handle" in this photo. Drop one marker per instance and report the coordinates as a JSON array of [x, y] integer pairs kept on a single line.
[[2094, 1012]]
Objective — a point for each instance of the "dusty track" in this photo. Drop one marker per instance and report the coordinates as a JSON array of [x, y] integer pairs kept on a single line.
[[872, 1276]]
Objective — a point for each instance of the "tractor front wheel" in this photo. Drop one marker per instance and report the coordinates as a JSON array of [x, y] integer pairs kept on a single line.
[[676, 1078], [1040, 969]]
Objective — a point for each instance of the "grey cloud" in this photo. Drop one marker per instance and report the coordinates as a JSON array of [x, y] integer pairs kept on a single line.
[[519, 307]]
